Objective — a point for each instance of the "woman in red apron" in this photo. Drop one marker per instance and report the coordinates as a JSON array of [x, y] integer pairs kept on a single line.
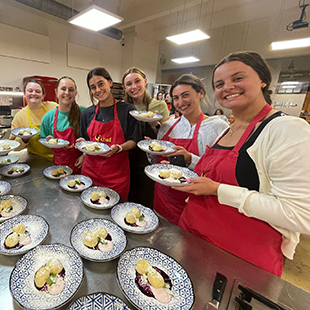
[[187, 92], [234, 205], [64, 123], [108, 122]]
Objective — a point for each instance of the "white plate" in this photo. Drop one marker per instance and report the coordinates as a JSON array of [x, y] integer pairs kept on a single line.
[[10, 159], [19, 205], [15, 132], [12, 143], [22, 285], [35, 225], [119, 212], [136, 115], [144, 146], [6, 169], [113, 195], [104, 148], [86, 180], [48, 172], [152, 171], [5, 187], [60, 143], [117, 234], [182, 287], [98, 301]]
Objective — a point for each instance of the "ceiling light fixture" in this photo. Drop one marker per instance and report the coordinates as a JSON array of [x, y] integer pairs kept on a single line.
[[188, 37], [184, 60], [95, 18], [281, 45]]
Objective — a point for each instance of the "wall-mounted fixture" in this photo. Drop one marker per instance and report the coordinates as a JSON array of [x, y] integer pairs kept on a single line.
[[301, 22]]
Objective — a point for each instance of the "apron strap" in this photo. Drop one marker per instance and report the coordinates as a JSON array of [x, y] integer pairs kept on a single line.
[[29, 116], [55, 120]]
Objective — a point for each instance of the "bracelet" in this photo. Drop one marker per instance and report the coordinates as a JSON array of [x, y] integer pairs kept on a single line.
[[119, 148]]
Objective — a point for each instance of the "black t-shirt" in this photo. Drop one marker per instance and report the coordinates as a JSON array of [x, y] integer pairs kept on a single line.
[[246, 172], [131, 127]]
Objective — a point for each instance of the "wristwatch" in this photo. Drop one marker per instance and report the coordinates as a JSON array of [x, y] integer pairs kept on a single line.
[[157, 126]]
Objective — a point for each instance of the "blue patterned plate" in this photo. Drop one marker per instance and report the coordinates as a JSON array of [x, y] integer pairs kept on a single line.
[[48, 171], [58, 145], [7, 160], [118, 214], [86, 180], [8, 170], [98, 301], [113, 197], [7, 146], [137, 116], [144, 146], [152, 171], [35, 225], [103, 148], [25, 135], [5, 187], [19, 205], [22, 285], [118, 239], [182, 288]]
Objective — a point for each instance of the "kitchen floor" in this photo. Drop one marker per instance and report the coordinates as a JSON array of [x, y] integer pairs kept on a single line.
[[297, 271]]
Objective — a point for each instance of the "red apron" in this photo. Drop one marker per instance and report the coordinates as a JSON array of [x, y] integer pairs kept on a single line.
[[251, 239], [63, 156], [169, 202], [112, 172]]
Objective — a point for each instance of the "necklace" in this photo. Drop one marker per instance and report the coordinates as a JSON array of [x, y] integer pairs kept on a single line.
[[231, 132], [107, 116]]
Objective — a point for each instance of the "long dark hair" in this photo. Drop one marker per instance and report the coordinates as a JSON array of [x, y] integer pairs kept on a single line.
[[99, 71], [146, 98], [257, 63], [189, 79], [75, 112]]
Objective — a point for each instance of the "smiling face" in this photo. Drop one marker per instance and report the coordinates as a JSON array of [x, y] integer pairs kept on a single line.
[[66, 92], [100, 88], [135, 85], [237, 86], [33, 94], [186, 100]]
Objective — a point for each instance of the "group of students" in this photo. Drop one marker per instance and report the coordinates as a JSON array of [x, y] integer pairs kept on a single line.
[[252, 196]]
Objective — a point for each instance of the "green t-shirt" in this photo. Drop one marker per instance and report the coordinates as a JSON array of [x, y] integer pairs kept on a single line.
[[156, 105], [47, 122]]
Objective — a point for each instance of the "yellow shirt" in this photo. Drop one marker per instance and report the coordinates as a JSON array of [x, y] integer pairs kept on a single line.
[[22, 118]]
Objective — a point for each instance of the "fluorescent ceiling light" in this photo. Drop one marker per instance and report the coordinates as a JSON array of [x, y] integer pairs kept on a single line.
[[281, 45], [290, 83], [188, 37], [95, 18], [184, 60]]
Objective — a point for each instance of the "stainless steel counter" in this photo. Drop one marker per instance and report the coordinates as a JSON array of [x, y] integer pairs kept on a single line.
[[200, 259]]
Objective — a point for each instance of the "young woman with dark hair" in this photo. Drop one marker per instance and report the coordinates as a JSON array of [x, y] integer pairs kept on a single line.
[[109, 122]]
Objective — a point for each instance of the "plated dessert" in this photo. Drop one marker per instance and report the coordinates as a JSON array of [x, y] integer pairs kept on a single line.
[[24, 132], [151, 279], [46, 277], [102, 301], [54, 143], [100, 197], [22, 233], [8, 145], [14, 170], [145, 116], [92, 148], [134, 217], [156, 147], [5, 187], [57, 172], [98, 239], [75, 183], [11, 205], [169, 175], [7, 160]]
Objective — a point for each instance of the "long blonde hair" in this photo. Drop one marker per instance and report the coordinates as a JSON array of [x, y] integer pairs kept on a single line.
[[146, 97]]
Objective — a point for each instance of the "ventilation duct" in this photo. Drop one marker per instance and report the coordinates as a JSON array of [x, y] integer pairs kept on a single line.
[[64, 12]]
